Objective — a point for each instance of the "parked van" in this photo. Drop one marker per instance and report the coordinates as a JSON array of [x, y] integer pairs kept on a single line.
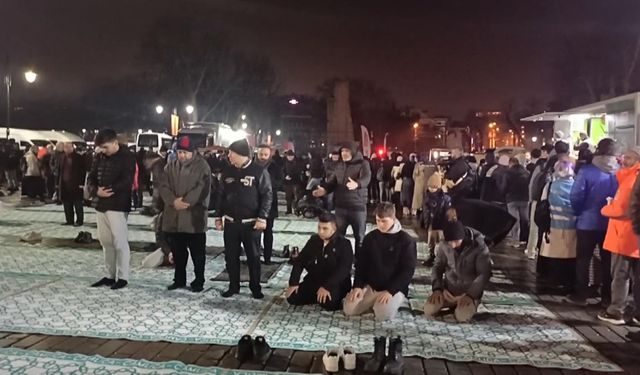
[[153, 141], [27, 138], [56, 136]]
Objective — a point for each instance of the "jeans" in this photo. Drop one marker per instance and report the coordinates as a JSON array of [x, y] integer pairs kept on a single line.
[[532, 242], [267, 240], [12, 179], [356, 219], [383, 191], [519, 210], [69, 206], [238, 236], [587, 241]]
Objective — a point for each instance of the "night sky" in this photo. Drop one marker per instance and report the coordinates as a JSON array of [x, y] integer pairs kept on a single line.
[[445, 56]]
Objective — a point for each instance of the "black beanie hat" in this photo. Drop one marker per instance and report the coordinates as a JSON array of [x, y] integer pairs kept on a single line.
[[453, 231], [185, 144], [240, 147]]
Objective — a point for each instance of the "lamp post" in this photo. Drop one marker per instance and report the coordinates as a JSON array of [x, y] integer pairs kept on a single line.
[[415, 136], [30, 76]]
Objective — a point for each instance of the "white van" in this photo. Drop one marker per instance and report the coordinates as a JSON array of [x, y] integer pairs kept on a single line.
[[152, 142], [27, 138], [56, 136]]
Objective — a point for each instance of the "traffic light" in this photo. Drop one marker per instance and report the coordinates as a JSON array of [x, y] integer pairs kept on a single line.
[[381, 152]]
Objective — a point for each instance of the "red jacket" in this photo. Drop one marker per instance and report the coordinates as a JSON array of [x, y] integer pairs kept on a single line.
[[620, 238]]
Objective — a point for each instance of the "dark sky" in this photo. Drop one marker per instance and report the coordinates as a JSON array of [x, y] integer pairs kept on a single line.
[[444, 56]]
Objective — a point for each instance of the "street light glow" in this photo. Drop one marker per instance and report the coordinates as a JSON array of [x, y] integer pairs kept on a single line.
[[293, 101], [244, 125], [159, 109], [534, 139], [416, 125], [278, 132], [30, 76], [243, 117], [139, 131], [189, 109]]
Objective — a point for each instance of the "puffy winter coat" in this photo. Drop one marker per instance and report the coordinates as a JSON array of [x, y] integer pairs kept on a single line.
[[620, 238], [358, 170], [115, 172], [594, 183]]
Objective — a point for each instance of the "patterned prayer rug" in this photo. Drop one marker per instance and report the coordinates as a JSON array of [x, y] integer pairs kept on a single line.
[[19, 361]]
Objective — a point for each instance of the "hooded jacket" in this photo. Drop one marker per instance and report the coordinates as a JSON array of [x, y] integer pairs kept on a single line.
[[386, 261], [593, 184], [463, 271], [358, 170], [190, 180], [620, 238], [516, 184], [115, 172]]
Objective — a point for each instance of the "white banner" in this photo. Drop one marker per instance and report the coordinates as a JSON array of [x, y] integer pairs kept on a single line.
[[366, 142]]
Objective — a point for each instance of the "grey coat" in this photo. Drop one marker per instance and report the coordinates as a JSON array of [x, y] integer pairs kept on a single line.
[[465, 271], [191, 181]]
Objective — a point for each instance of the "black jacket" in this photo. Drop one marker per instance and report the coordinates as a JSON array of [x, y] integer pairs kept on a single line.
[[115, 172], [407, 169], [316, 168], [358, 170], [386, 261], [434, 209], [13, 159], [492, 177], [516, 184], [328, 267], [275, 173], [245, 193], [71, 190], [292, 169]]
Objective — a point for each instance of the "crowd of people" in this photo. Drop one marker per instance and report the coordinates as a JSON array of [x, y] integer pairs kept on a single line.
[[578, 218]]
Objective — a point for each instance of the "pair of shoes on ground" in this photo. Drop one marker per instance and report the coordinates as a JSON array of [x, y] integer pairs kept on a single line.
[[331, 359], [112, 283], [386, 363], [257, 349], [196, 288], [83, 237], [230, 293]]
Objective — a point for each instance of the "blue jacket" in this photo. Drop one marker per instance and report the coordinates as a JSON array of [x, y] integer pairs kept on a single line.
[[562, 215], [594, 183]]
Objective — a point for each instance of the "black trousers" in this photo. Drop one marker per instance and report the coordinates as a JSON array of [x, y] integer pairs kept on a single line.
[[69, 206], [181, 245], [292, 195], [307, 295], [586, 244], [268, 240], [236, 237]]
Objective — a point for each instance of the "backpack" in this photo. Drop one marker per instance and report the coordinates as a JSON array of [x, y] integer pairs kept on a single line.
[[539, 182], [542, 216]]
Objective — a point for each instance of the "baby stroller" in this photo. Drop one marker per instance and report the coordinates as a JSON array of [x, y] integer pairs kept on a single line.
[[309, 206]]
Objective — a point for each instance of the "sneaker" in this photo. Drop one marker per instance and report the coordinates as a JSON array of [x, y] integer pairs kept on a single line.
[[119, 284], [577, 300], [105, 281], [348, 355], [331, 360], [612, 319], [229, 293], [257, 295], [196, 288]]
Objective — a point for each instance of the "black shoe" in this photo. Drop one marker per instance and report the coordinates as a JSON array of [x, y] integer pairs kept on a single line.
[[229, 293], [244, 351], [430, 261], [375, 363], [78, 224], [119, 284], [197, 287], [395, 363], [286, 253], [175, 286], [257, 294], [294, 254], [261, 350], [105, 281], [86, 238]]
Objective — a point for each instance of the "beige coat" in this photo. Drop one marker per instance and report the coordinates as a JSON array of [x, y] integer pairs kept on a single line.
[[395, 174], [561, 244], [420, 184]]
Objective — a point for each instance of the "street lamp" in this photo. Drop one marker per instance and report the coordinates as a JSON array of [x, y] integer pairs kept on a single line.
[[159, 109], [243, 117], [244, 125], [189, 109], [30, 76], [415, 136], [293, 101], [278, 132], [534, 139]]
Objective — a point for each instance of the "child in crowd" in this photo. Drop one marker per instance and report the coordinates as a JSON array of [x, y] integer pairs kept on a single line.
[[436, 204]]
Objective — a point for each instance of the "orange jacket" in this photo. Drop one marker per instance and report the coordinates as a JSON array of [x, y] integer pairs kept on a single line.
[[620, 238]]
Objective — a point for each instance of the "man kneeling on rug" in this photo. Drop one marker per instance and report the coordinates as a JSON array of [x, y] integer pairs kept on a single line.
[[461, 271], [384, 268], [327, 257]]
